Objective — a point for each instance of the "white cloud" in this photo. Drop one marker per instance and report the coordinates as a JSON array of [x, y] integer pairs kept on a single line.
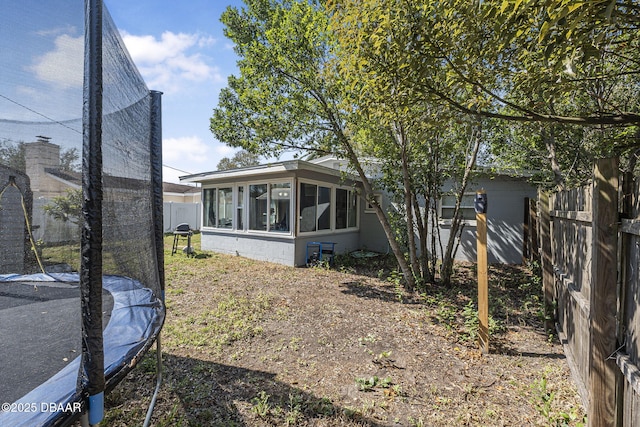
[[189, 153], [66, 29], [172, 62], [63, 66], [224, 150]]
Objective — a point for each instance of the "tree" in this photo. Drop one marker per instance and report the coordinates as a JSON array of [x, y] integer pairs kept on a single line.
[[475, 56], [69, 160], [287, 95], [553, 64], [12, 154], [427, 143], [66, 208], [242, 158]]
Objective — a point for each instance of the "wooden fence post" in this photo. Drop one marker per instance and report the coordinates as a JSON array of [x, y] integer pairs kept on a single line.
[[480, 205], [602, 372], [548, 280]]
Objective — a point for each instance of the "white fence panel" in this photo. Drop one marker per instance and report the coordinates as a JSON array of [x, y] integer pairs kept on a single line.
[[178, 213]]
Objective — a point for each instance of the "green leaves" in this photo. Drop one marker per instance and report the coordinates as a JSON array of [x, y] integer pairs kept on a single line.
[[282, 97]]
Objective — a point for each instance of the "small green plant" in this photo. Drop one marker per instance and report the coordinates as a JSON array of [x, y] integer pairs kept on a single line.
[[543, 402], [294, 412], [369, 339], [368, 384], [471, 323], [385, 382], [395, 277], [384, 355], [261, 406]]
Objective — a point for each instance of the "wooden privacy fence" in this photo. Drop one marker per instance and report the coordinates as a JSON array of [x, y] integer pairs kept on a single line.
[[590, 253]]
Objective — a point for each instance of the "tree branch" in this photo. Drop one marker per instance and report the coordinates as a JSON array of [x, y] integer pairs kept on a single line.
[[622, 119]]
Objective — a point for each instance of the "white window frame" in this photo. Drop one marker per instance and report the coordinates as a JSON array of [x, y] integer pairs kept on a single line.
[[448, 221], [246, 206], [333, 206]]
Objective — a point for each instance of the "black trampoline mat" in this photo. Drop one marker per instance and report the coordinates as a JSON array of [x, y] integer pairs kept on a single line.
[[40, 332]]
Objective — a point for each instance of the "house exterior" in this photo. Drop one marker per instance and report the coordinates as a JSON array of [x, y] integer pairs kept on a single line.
[[180, 193], [277, 212], [272, 212], [506, 201]]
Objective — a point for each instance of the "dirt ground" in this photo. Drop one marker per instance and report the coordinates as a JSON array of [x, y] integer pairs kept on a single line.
[[248, 343]]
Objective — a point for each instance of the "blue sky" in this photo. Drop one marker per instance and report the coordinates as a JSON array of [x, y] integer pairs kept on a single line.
[[180, 50]]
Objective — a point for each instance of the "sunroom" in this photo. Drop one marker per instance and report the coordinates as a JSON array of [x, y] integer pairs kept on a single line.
[[276, 212]]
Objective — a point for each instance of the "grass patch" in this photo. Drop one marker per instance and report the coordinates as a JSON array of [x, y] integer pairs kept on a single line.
[[233, 319]]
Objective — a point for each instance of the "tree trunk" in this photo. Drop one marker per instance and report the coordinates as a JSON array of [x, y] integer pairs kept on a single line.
[[550, 143], [448, 256], [369, 193], [401, 140]]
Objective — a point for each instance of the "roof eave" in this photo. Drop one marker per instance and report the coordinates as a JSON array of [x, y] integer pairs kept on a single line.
[[265, 169]]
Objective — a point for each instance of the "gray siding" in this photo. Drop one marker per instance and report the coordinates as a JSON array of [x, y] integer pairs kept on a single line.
[[345, 242], [261, 247], [372, 237], [505, 216]]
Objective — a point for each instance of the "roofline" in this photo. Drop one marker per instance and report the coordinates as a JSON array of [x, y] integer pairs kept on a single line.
[[268, 168], [189, 194], [64, 181]]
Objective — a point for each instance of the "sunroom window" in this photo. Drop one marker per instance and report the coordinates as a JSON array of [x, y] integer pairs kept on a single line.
[[315, 207], [308, 201], [225, 207], [218, 207], [346, 208], [280, 203], [258, 207], [209, 205], [269, 207], [240, 209]]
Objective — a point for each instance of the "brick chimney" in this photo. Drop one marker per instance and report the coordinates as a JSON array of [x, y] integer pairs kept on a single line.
[[38, 156]]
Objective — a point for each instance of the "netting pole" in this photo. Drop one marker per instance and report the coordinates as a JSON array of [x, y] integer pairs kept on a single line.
[[91, 377], [155, 142]]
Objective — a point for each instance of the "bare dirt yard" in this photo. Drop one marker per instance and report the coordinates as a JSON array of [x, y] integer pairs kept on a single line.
[[250, 343]]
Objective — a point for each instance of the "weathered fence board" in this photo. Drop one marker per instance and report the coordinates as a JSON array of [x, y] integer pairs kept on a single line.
[[627, 357], [594, 257], [571, 250]]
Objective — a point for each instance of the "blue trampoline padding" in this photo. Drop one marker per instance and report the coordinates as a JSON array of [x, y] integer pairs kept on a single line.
[[96, 408], [136, 319]]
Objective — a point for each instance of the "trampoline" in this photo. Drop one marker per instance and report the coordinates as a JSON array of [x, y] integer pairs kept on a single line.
[[81, 239]]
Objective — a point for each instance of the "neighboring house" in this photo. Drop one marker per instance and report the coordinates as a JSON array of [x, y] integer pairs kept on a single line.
[[275, 212], [180, 193], [48, 180]]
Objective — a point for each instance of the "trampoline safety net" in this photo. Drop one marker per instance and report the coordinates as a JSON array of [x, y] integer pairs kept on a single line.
[[81, 252]]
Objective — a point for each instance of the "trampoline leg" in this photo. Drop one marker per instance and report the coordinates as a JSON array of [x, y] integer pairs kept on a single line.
[[158, 382], [84, 419]]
